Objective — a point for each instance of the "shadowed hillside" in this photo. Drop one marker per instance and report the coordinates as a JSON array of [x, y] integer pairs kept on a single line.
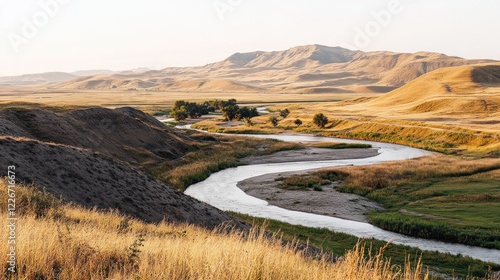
[[124, 133], [94, 180], [84, 156]]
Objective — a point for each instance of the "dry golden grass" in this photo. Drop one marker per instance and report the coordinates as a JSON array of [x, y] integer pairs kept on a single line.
[[474, 134], [74, 243], [152, 101], [415, 170]]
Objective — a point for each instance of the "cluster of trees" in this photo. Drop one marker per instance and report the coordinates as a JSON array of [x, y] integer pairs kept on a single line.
[[319, 119], [182, 110], [230, 110]]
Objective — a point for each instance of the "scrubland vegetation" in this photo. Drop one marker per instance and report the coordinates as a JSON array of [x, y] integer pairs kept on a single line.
[[57, 241]]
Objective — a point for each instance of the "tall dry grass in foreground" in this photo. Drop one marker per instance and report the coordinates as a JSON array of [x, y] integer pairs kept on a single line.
[[67, 242]]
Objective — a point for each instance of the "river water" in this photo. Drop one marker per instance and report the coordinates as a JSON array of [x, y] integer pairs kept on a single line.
[[220, 190]]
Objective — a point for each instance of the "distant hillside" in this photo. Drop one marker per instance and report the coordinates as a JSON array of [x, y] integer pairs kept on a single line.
[[302, 69], [58, 77], [112, 82], [455, 90], [400, 68], [36, 79], [303, 56], [211, 85]]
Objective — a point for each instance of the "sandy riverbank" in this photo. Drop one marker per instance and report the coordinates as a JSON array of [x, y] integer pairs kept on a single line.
[[328, 202], [311, 154]]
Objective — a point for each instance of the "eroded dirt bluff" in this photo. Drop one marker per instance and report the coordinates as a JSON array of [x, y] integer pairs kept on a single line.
[[94, 178], [126, 133]]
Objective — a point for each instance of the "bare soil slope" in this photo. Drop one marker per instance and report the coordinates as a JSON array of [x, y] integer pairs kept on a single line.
[[124, 133], [88, 157], [94, 180]]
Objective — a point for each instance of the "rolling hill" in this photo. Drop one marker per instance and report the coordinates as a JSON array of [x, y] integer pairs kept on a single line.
[[471, 89], [36, 79]]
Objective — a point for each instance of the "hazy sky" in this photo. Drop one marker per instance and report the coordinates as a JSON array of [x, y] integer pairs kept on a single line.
[[69, 35]]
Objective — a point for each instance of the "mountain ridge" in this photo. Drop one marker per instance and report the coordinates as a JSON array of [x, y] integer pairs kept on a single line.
[[293, 57], [301, 69]]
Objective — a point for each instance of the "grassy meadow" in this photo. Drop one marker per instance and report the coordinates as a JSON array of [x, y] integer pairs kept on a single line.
[[453, 199]]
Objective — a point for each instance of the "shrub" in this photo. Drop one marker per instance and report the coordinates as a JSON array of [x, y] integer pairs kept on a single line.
[[284, 113], [273, 120]]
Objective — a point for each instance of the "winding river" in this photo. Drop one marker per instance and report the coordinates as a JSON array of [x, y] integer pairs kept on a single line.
[[221, 191]]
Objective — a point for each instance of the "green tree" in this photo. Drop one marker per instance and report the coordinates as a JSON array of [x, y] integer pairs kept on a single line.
[[245, 112], [320, 120], [254, 112], [195, 110], [230, 111], [179, 114], [231, 101], [273, 120], [298, 122], [178, 104]]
